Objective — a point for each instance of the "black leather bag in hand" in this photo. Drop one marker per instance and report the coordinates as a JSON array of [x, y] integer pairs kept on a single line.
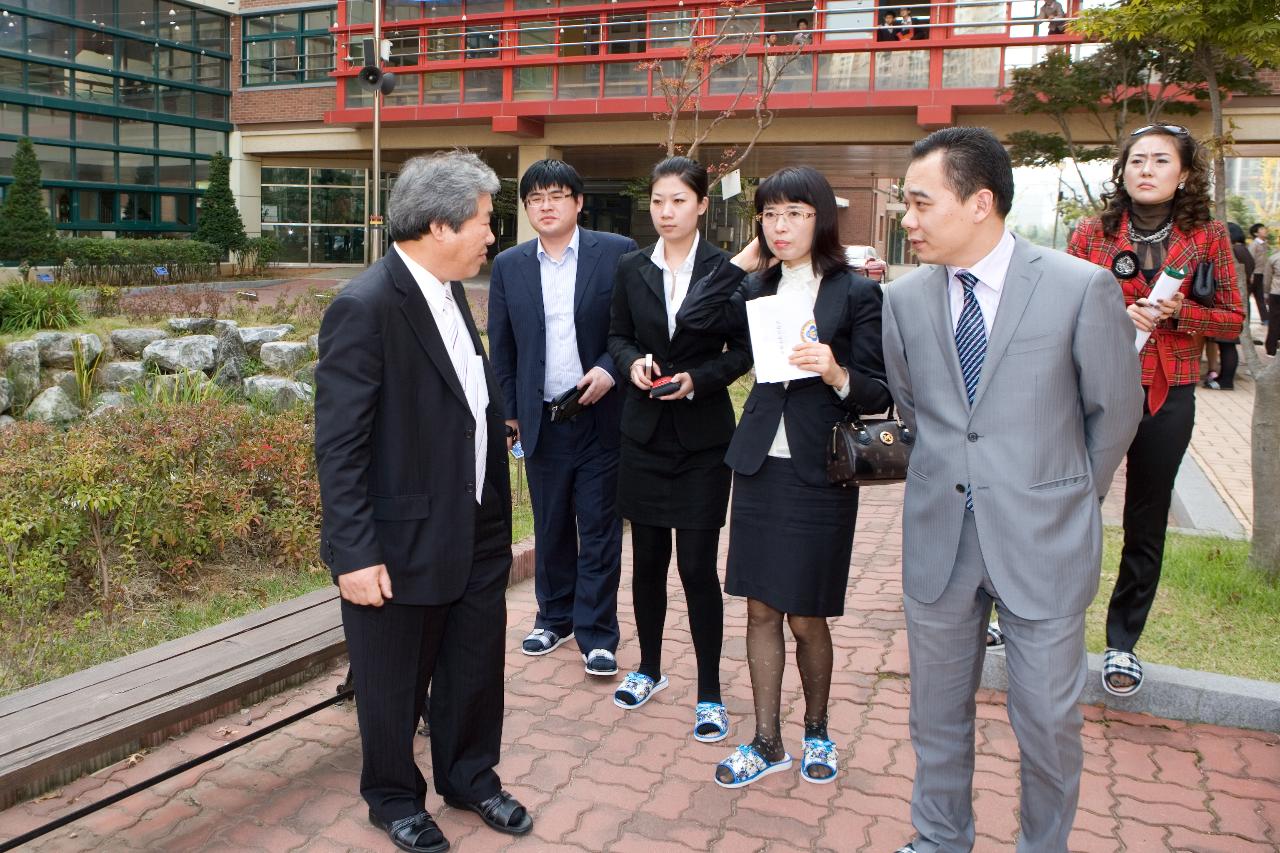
[[869, 451], [1203, 284]]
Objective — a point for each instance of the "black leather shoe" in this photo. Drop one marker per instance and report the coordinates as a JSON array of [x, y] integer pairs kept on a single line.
[[502, 812], [416, 833]]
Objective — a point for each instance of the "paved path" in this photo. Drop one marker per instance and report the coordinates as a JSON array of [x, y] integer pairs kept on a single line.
[[598, 778]]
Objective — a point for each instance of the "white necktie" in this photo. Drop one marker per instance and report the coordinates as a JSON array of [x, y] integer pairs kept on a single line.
[[470, 370]]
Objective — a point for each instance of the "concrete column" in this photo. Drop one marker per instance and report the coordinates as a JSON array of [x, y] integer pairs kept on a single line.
[[246, 185], [526, 156]]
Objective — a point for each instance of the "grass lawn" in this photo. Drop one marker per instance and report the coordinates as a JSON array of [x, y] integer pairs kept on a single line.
[[1212, 612]]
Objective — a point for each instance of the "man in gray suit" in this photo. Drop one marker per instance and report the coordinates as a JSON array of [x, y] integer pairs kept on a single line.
[[1016, 367]]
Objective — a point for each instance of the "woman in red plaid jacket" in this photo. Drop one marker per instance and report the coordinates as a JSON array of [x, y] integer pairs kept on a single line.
[[1157, 217]]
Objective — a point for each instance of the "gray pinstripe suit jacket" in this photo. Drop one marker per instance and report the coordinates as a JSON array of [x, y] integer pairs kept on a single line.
[[1057, 405]]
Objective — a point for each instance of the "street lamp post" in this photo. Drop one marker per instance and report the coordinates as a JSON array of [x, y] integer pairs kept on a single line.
[[375, 211]]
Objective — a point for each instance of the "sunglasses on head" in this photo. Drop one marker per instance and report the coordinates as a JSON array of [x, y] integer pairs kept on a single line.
[[1175, 129]]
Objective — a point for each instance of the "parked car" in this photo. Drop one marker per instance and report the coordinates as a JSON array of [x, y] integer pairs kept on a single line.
[[864, 261]]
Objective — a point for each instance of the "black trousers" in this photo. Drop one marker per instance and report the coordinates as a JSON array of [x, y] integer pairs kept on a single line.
[[1153, 461], [398, 650], [1273, 326], [1259, 294]]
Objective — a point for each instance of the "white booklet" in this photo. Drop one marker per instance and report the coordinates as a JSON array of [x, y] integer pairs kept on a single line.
[[1164, 288], [777, 324]]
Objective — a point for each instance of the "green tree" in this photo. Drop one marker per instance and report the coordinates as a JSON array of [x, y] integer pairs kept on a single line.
[[220, 222], [26, 229]]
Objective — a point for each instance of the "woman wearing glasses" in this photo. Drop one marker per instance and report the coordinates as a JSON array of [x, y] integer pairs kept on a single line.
[[791, 534], [676, 425], [1157, 216]]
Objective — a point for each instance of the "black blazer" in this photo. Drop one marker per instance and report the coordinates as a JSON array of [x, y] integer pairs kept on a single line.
[[847, 313], [395, 439], [639, 326], [518, 331]]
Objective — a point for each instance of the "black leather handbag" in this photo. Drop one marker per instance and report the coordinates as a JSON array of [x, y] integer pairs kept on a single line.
[[565, 407], [1203, 284], [869, 451]]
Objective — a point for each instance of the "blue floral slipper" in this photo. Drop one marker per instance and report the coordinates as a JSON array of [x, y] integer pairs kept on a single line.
[[747, 766], [637, 689], [711, 723], [819, 753]]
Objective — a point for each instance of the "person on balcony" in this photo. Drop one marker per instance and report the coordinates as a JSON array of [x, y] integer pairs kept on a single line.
[[1052, 11]]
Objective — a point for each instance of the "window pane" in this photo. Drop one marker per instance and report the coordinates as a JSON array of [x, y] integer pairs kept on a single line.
[[736, 75], [95, 88], [444, 44], [355, 95], [211, 71], [320, 58], [404, 47], [337, 245], [536, 38], [176, 64], [277, 175], [321, 19], [11, 34], [175, 101], [971, 69], [95, 165], [45, 38], [293, 242], [535, 4], [54, 124], [443, 9], [337, 177], [484, 7], [578, 81], [135, 207], [902, 69], [626, 33], [137, 134], [848, 19], [259, 25], [284, 204], [97, 205], [211, 106], [338, 205], [174, 137], [175, 23], [137, 169], [483, 85], [6, 156], [174, 172], [579, 37], [531, 83], [95, 49], [210, 141], [482, 42], [10, 72], [992, 15], [211, 31], [667, 29], [440, 87], [48, 80], [843, 72], [625, 79], [137, 57], [11, 119], [406, 91], [359, 11], [202, 174], [393, 11], [93, 128], [137, 94], [55, 162], [59, 204], [137, 16]]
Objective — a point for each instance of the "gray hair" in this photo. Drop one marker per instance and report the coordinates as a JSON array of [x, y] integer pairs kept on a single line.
[[445, 187]]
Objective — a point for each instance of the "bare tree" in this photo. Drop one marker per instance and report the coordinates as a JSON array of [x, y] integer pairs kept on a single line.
[[683, 82]]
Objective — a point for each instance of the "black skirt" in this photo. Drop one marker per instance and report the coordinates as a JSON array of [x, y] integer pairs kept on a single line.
[[663, 485], [789, 542]]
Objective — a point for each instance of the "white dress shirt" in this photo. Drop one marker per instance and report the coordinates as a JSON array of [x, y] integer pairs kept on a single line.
[[467, 364], [798, 283], [990, 272], [675, 283], [559, 280]]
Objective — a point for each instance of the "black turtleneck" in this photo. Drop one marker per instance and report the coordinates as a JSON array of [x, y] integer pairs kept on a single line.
[[1148, 219]]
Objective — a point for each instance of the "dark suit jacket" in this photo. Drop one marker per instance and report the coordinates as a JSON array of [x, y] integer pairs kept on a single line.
[[395, 439], [639, 326], [847, 313], [518, 330]]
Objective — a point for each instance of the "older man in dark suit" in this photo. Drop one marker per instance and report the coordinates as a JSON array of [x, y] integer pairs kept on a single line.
[[417, 504], [549, 304]]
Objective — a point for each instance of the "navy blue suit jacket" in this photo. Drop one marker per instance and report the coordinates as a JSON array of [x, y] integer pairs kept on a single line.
[[518, 330]]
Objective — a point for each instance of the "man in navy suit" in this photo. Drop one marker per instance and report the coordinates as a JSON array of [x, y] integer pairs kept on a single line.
[[549, 302]]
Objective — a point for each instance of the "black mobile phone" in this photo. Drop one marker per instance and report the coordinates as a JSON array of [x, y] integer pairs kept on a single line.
[[664, 385]]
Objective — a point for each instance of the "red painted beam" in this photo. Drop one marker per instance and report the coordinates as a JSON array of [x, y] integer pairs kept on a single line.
[[526, 128]]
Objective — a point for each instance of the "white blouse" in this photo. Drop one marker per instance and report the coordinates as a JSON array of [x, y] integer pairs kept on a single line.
[[675, 283]]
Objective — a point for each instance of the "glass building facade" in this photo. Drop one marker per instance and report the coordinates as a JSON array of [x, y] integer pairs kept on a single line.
[[125, 101], [317, 215]]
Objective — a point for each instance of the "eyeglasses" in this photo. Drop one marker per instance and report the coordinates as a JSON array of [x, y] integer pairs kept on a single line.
[[1175, 129], [794, 216], [538, 199]]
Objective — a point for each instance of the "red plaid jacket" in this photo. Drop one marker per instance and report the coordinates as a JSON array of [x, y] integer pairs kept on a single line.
[[1174, 343]]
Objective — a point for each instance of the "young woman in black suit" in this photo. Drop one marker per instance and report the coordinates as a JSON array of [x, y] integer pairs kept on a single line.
[[671, 473], [791, 534]]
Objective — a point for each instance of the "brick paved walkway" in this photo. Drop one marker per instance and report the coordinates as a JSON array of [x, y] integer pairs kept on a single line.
[[598, 778]]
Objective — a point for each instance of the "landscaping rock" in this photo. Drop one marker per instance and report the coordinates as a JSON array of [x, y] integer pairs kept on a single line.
[[307, 374], [57, 348], [53, 405], [255, 336], [23, 371], [196, 352], [229, 376], [220, 326], [131, 342], [314, 343], [6, 422], [117, 375], [284, 357], [177, 385], [6, 394], [109, 401], [279, 393], [66, 380], [231, 361], [192, 325]]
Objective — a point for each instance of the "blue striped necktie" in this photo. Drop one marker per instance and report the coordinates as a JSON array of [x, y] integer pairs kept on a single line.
[[971, 346]]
